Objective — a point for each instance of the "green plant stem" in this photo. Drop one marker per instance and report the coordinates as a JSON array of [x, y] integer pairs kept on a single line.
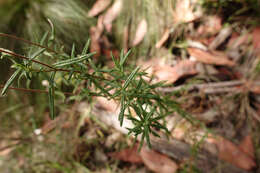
[[46, 65], [23, 57]]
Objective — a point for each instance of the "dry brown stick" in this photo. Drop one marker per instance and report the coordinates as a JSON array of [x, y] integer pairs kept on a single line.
[[178, 150], [27, 41], [210, 88]]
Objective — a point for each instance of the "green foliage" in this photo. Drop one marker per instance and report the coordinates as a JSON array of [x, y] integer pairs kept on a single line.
[[139, 100]]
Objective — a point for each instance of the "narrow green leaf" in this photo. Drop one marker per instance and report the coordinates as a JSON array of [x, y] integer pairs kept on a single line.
[[141, 143], [10, 81], [115, 61], [148, 116], [44, 37], [155, 133], [123, 58], [97, 84], [37, 53], [85, 49], [147, 137], [51, 95], [72, 61], [130, 78], [122, 111], [70, 75], [92, 65], [52, 37], [72, 55]]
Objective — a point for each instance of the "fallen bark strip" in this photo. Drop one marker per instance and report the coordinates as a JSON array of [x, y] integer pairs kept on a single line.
[[178, 150]]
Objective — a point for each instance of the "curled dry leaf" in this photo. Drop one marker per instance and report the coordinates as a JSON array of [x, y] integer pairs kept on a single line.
[[247, 146], [140, 32], [158, 162], [128, 155], [231, 153], [112, 14], [98, 7], [214, 57], [172, 74], [164, 38], [185, 11]]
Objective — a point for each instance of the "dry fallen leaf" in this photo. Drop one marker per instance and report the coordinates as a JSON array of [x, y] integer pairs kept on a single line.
[[158, 162], [107, 105], [98, 7], [128, 155], [185, 11], [231, 153], [211, 26], [94, 45], [140, 32], [237, 40], [172, 74], [126, 39], [247, 146], [255, 89], [164, 38], [256, 39], [214, 57], [164, 72], [112, 14]]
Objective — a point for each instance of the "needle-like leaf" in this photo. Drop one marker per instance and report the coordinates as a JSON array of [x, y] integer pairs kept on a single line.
[[10, 80]]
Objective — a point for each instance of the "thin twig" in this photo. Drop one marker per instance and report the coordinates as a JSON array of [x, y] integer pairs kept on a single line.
[[46, 65], [23, 57], [210, 88], [33, 90], [10, 146], [27, 41]]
